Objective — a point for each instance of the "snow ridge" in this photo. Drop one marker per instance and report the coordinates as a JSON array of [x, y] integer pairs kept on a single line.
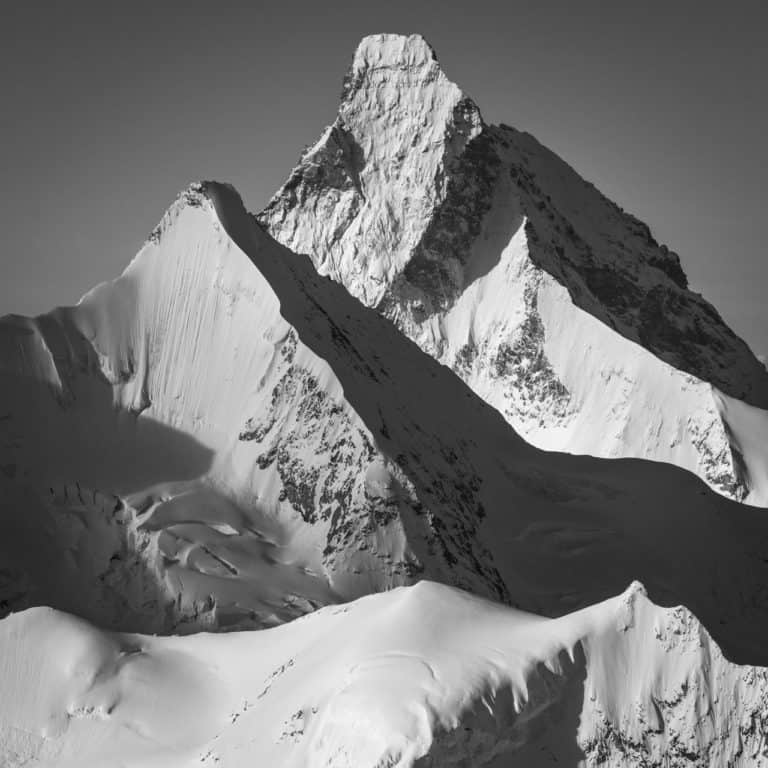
[[419, 676]]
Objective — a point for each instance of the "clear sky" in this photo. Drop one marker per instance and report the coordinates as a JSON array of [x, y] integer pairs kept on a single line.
[[110, 108]]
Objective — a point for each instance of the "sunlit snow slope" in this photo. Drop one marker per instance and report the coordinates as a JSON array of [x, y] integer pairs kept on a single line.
[[222, 438], [188, 450], [554, 305], [419, 676]]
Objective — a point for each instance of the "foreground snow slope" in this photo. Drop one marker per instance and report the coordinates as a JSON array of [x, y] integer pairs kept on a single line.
[[223, 438], [419, 676], [555, 306]]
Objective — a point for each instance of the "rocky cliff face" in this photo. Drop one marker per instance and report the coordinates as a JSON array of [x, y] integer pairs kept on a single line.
[[501, 262]]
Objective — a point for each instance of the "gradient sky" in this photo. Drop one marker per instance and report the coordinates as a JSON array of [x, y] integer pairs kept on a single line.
[[110, 108]]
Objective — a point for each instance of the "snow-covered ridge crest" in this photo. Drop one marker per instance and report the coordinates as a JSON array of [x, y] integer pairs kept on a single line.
[[420, 676], [194, 194], [495, 257]]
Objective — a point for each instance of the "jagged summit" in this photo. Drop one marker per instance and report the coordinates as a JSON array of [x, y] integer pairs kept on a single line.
[[406, 62], [376, 173], [393, 51], [499, 260]]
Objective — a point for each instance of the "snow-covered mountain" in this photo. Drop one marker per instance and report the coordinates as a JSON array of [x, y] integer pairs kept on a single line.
[[222, 438], [495, 257], [419, 676]]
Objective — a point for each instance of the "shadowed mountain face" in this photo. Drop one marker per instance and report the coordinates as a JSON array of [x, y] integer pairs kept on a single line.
[[498, 260], [338, 458]]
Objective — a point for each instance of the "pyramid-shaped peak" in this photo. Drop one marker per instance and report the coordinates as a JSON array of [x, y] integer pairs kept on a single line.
[[380, 169], [388, 50], [389, 69]]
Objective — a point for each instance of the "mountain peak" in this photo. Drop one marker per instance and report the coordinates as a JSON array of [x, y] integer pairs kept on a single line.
[[389, 50], [499, 260], [388, 69], [375, 175]]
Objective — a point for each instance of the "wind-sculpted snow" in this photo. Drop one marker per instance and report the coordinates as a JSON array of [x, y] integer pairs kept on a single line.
[[274, 446], [497, 259], [420, 676]]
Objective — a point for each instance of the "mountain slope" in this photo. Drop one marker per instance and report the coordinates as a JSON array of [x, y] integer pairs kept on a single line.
[[420, 676], [502, 263], [229, 451], [241, 441]]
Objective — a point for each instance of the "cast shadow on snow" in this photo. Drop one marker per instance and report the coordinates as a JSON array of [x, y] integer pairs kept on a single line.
[[564, 530], [553, 735], [74, 431], [544, 732], [68, 457]]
